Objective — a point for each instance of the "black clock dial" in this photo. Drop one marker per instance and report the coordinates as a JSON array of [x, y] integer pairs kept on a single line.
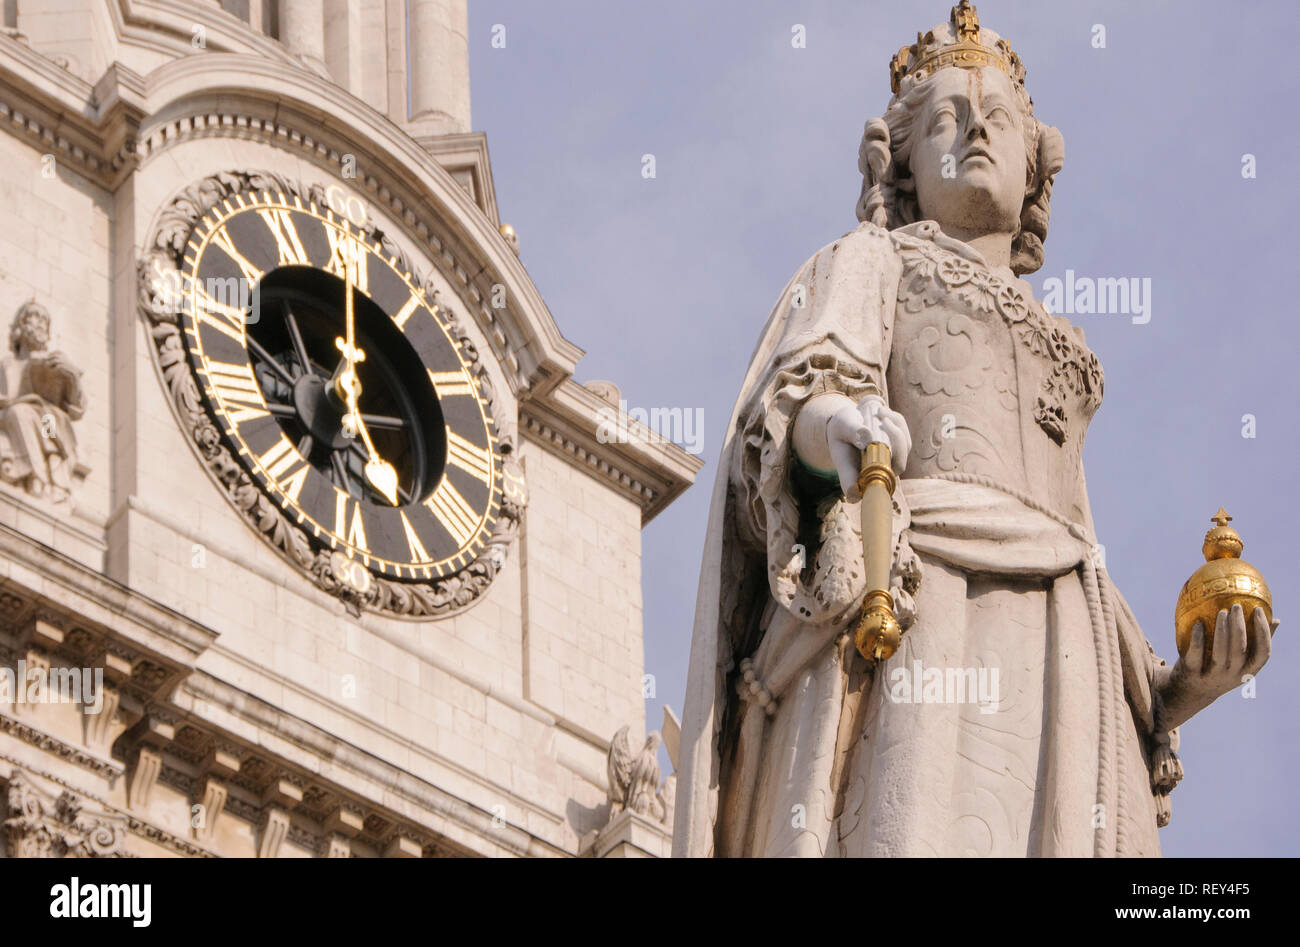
[[265, 328], [295, 360]]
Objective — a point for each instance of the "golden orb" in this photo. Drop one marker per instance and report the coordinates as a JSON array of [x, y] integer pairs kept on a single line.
[[1225, 580], [510, 237]]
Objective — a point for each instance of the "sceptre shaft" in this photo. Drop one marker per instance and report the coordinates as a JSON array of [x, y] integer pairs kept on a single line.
[[878, 633]]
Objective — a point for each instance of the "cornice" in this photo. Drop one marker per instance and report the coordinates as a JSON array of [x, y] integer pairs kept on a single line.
[[206, 699], [185, 732], [648, 469], [100, 602], [40, 73], [106, 769], [58, 113]]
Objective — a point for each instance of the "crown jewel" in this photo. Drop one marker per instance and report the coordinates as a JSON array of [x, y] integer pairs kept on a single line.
[[956, 43]]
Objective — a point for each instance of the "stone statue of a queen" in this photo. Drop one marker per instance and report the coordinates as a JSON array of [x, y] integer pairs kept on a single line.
[[917, 331]]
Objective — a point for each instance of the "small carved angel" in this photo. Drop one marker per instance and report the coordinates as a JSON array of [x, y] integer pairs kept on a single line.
[[634, 781]]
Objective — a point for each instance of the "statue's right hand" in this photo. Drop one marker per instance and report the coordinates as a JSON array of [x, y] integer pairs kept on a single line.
[[847, 434], [853, 427]]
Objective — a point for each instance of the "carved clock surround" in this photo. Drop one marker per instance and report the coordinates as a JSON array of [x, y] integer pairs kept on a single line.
[[435, 598]]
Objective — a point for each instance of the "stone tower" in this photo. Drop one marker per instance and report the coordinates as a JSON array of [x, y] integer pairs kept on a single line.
[[291, 455]]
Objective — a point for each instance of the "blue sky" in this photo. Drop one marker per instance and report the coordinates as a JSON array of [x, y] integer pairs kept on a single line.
[[666, 282]]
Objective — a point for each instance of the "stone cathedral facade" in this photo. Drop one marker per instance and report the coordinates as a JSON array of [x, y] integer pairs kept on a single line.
[[310, 544]]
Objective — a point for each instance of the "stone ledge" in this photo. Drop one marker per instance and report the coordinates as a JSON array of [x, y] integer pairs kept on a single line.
[[85, 546], [629, 835], [647, 469], [98, 600]]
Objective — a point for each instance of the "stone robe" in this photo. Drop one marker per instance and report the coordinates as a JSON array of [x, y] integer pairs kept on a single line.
[[790, 744]]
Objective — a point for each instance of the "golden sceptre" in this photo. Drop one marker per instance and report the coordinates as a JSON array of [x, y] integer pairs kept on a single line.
[[878, 633]]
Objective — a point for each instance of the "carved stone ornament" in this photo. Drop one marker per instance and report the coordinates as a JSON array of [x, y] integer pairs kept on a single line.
[[931, 274], [634, 780], [41, 825], [158, 273], [40, 398]]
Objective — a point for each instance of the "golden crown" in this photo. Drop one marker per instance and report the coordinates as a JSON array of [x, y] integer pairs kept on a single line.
[[956, 43]]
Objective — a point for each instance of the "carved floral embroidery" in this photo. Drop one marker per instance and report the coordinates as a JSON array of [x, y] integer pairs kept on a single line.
[[931, 273], [924, 355]]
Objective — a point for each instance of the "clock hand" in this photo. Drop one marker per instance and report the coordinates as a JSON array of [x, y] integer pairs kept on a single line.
[[347, 302], [378, 471], [347, 385], [359, 450]]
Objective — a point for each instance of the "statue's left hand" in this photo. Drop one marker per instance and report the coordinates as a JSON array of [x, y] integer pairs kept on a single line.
[[1240, 650]]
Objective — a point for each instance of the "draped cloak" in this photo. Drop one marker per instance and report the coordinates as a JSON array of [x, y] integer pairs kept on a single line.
[[791, 744]]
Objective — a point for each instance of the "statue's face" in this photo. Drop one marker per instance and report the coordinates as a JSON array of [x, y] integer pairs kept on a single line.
[[33, 332], [968, 152]]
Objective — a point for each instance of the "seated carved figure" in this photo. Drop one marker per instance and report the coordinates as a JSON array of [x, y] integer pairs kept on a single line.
[[40, 397]]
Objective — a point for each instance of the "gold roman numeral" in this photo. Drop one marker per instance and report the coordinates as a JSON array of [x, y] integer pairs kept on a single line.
[[469, 457], [286, 237], [418, 552], [408, 309], [447, 384], [351, 529], [347, 251], [237, 390], [222, 239], [456, 516], [286, 467], [226, 319]]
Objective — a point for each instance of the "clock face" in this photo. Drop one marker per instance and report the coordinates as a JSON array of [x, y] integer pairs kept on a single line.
[[378, 442]]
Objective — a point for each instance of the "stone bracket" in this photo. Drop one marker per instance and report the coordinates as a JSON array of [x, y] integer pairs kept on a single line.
[[213, 803], [275, 827]]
